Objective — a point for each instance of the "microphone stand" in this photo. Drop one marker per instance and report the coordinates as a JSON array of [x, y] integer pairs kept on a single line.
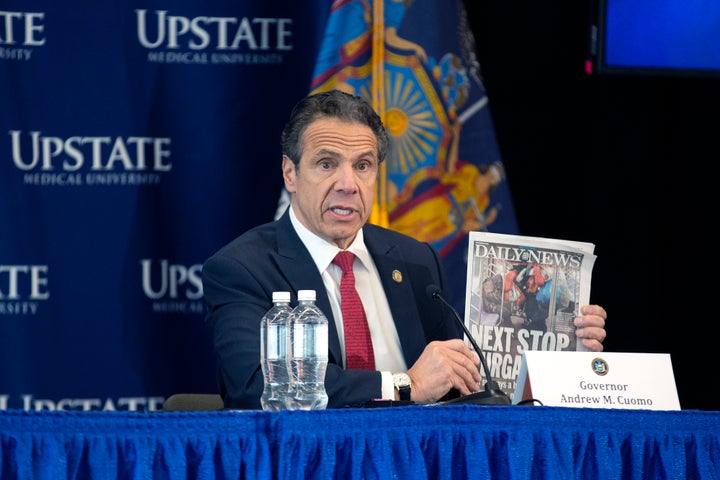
[[492, 395]]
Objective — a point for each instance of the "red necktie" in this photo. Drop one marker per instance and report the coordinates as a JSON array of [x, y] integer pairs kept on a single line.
[[358, 344]]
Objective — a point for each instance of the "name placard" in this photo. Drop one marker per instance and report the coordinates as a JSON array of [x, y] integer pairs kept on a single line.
[[597, 380]]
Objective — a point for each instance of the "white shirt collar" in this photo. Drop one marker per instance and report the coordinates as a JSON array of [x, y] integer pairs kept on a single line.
[[324, 252]]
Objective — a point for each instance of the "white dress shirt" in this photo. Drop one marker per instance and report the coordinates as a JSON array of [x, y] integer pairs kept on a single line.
[[385, 340]]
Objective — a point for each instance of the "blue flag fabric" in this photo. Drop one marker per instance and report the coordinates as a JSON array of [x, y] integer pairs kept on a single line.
[[415, 62]]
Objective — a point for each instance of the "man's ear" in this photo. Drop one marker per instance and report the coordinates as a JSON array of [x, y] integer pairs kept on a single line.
[[288, 169]]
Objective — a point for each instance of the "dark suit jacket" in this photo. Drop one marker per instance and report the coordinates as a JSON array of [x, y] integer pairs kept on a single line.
[[238, 282]]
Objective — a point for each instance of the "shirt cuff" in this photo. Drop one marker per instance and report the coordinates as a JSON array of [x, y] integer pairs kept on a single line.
[[388, 387]]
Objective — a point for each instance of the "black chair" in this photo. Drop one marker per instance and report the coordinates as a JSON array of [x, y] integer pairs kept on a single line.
[[193, 402]]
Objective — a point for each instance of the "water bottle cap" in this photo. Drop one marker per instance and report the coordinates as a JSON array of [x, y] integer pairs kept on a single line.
[[281, 297], [306, 295]]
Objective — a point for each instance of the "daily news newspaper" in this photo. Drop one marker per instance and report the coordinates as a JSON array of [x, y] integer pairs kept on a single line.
[[523, 293]]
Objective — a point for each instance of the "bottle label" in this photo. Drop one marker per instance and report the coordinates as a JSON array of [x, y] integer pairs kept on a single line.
[[272, 343], [276, 346], [310, 340], [321, 341]]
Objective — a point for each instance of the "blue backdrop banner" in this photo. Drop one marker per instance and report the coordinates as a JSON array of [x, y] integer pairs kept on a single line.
[[138, 137]]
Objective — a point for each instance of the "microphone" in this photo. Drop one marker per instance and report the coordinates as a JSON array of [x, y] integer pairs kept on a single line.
[[492, 395]]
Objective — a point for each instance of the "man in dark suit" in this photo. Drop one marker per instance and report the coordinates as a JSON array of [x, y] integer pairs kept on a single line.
[[333, 145]]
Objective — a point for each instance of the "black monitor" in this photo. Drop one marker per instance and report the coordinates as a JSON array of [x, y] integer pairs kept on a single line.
[[655, 37]]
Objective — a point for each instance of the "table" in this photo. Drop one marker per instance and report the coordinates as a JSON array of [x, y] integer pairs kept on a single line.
[[410, 442]]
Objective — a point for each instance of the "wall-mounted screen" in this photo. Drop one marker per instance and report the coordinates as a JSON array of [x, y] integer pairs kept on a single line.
[[661, 37]]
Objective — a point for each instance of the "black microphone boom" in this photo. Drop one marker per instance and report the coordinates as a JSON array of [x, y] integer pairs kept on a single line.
[[492, 395]]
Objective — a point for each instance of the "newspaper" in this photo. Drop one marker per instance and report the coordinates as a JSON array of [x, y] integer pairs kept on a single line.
[[522, 293]]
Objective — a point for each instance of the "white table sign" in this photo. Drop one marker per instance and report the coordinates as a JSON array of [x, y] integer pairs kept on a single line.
[[597, 380]]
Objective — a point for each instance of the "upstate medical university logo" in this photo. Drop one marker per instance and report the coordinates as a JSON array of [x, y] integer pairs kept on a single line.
[[49, 160], [19, 33], [171, 38], [22, 288], [172, 287]]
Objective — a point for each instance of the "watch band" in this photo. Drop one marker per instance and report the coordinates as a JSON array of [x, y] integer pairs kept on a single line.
[[404, 393]]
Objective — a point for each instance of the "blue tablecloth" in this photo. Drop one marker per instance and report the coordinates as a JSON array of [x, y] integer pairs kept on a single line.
[[415, 442]]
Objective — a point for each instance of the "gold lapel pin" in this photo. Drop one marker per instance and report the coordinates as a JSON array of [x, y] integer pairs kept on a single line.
[[397, 276]]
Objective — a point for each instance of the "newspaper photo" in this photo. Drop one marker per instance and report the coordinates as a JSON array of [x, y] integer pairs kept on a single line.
[[522, 293]]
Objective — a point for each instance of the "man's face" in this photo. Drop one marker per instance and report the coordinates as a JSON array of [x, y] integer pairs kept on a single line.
[[332, 191]]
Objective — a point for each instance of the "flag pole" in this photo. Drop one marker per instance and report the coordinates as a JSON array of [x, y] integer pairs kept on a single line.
[[379, 215]]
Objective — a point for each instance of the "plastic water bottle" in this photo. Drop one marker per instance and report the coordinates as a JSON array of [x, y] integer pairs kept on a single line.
[[274, 328], [308, 354]]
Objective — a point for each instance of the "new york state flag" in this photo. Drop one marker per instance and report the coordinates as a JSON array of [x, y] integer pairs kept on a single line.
[[415, 62]]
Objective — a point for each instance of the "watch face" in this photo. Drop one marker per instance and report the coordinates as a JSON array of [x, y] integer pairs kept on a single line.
[[401, 380]]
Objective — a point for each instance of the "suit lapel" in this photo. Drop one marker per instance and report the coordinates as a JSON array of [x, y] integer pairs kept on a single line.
[[395, 278], [293, 259]]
